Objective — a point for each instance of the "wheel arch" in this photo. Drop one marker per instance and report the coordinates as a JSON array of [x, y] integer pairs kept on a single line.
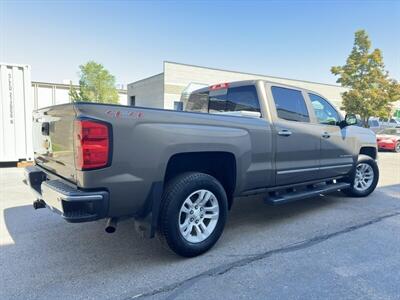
[[219, 164], [369, 151]]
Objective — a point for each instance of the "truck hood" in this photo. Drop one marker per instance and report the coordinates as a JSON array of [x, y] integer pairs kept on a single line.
[[365, 136]]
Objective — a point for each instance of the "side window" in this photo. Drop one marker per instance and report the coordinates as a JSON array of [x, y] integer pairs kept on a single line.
[[373, 123], [290, 104], [324, 111], [242, 98]]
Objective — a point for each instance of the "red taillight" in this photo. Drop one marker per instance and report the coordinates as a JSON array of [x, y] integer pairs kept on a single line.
[[220, 86], [92, 144]]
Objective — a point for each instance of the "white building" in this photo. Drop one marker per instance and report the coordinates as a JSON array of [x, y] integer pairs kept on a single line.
[[19, 96], [50, 93], [164, 90]]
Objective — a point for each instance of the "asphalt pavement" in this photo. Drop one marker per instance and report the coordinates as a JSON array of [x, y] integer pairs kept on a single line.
[[330, 247]]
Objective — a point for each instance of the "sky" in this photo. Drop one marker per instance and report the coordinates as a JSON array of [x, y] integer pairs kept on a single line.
[[292, 39]]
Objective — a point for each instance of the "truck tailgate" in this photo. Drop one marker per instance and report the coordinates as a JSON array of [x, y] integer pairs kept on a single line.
[[53, 142]]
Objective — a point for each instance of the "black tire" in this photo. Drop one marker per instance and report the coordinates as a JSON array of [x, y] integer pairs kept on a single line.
[[397, 147], [352, 191], [176, 192]]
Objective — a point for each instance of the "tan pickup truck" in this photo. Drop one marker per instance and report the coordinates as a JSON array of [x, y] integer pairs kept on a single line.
[[177, 172]]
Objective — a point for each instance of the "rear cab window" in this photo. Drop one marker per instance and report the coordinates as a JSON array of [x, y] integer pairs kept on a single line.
[[290, 104], [221, 99], [197, 102]]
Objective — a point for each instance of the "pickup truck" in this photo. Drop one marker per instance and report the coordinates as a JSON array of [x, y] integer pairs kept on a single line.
[[177, 173]]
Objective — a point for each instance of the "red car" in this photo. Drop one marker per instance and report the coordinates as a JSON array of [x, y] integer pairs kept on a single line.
[[388, 139]]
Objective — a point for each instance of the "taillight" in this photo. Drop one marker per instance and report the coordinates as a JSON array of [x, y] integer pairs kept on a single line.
[[220, 86], [92, 144]]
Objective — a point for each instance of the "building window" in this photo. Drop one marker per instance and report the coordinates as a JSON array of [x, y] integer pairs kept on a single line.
[[178, 105], [132, 101]]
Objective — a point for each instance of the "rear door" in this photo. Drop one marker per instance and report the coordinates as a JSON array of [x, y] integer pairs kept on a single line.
[[241, 99], [53, 143], [297, 140]]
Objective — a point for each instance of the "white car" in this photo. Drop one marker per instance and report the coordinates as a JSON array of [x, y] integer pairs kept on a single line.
[[390, 123]]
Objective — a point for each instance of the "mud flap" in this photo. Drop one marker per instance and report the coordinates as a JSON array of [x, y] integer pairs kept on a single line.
[[148, 223]]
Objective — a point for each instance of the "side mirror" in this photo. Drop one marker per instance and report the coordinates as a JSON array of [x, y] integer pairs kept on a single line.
[[350, 119]]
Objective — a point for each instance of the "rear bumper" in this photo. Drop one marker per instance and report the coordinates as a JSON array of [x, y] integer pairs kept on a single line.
[[383, 145], [73, 204]]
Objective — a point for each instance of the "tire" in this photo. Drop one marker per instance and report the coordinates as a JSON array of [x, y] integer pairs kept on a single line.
[[370, 167], [178, 208], [397, 147]]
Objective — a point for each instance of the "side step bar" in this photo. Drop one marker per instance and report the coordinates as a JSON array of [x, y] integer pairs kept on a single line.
[[275, 198]]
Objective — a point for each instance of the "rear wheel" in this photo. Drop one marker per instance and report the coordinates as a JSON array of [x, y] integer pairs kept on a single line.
[[364, 177], [193, 214]]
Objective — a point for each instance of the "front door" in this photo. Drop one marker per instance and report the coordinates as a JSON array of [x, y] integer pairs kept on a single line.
[[297, 140], [336, 156]]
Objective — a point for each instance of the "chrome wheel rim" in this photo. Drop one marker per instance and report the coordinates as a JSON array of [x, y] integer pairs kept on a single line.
[[397, 147], [198, 216], [364, 177]]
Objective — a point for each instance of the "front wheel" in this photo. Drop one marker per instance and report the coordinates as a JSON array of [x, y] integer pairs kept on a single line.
[[397, 147], [193, 213], [364, 177]]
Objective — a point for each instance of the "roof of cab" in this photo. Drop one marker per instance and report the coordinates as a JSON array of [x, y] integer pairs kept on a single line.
[[253, 82]]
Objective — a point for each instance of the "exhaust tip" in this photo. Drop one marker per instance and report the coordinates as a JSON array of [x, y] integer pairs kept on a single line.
[[111, 225], [37, 204], [110, 229]]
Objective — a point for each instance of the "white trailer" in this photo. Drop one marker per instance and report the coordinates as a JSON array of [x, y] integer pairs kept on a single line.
[[16, 105]]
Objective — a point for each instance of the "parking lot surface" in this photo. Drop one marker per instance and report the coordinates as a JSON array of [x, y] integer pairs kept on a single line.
[[326, 247]]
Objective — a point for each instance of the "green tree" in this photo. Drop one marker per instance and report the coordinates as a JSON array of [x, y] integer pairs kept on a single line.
[[394, 93], [96, 84], [370, 89]]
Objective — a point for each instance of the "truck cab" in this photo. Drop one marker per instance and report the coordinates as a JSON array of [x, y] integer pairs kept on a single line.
[[307, 136]]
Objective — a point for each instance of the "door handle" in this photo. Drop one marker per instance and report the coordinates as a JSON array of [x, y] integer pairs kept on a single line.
[[326, 135], [284, 132]]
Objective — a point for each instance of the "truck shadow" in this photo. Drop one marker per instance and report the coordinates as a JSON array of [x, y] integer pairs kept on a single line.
[[45, 236], [253, 212]]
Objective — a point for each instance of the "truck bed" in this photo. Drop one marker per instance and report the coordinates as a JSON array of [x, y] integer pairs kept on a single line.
[[143, 140]]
